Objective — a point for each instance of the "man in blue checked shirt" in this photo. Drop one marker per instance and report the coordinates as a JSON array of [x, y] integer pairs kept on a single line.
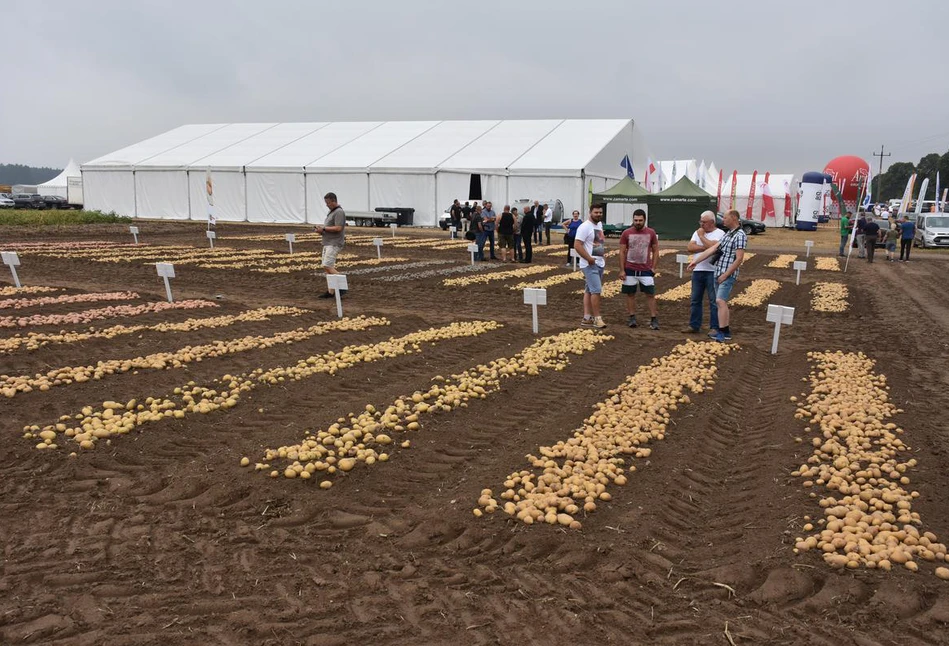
[[727, 255]]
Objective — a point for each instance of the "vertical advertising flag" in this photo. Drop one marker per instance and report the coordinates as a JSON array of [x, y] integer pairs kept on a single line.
[[945, 195], [767, 177], [751, 196], [673, 171], [922, 195], [719, 203], [936, 196], [209, 187], [767, 202], [787, 203], [702, 178], [907, 194], [734, 192]]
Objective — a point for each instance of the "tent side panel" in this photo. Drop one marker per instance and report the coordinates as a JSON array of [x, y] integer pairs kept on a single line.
[[451, 186], [607, 161], [276, 197], [109, 190], [415, 191], [352, 191], [162, 194], [229, 202], [568, 190]]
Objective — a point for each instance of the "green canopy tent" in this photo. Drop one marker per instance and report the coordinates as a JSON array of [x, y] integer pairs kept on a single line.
[[674, 212], [626, 191]]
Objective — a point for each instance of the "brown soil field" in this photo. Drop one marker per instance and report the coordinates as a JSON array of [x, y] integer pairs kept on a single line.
[[161, 537]]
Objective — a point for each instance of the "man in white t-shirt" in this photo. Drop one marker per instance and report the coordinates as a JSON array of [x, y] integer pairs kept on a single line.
[[703, 277], [589, 243], [548, 220]]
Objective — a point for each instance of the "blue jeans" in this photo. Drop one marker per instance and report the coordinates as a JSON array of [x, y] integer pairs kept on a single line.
[[843, 243], [703, 282], [724, 289], [482, 236], [490, 235], [518, 247]]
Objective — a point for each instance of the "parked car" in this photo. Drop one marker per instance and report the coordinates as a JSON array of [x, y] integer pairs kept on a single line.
[[750, 227], [932, 230], [6, 203], [28, 201], [55, 202]]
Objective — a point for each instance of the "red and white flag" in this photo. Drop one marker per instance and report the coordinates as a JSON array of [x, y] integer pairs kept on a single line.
[[787, 203], [751, 196], [767, 202], [733, 204], [650, 172], [718, 206], [764, 214]]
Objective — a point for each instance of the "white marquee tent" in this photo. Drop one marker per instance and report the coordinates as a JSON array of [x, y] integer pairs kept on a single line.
[[776, 182], [267, 172], [57, 185]]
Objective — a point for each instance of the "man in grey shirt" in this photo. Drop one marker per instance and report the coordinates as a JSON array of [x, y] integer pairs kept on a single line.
[[334, 237]]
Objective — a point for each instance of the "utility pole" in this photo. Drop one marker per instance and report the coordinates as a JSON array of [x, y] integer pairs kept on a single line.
[[880, 174]]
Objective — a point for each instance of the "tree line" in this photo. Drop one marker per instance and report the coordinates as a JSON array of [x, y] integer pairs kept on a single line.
[[30, 175], [891, 184]]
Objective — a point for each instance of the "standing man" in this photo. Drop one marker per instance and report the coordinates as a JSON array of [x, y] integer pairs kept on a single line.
[[333, 231], [846, 228], [570, 232], [703, 278], [466, 216], [518, 247], [861, 236], [538, 221], [490, 218], [639, 253], [506, 234], [871, 230], [528, 224], [548, 220], [477, 225], [456, 215], [590, 245], [732, 247], [907, 233]]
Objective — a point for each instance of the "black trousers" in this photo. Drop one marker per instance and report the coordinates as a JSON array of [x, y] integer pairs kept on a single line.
[[871, 242], [528, 246], [905, 246]]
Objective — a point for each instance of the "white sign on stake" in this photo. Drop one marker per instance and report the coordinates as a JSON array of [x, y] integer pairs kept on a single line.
[[336, 282], [807, 248], [12, 260], [378, 243], [472, 249], [134, 231], [452, 231], [535, 296], [211, 236], [575, 256], [779, 315], [683, 260], [291, 238], [166, 270], [394, 226], [799, 266]]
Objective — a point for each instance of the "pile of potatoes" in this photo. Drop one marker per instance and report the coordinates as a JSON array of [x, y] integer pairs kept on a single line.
[[35, 340], [368, 262], [10, 385], [90, 425], [269, 261], [363, 438], [91, 297], [860, 468], [27, 289], [782, 261], [113, 311], [757, 293], [573, 475], [523, 272], [825, 263], [679, 293], [829, 297], [551, 281]]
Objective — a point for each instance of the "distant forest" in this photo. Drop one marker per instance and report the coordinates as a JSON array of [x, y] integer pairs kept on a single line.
[[19, 174]]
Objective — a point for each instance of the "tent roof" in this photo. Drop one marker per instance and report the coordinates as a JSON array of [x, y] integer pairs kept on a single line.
[[627, 189], [684, 187], [71, 170], [464, 146]]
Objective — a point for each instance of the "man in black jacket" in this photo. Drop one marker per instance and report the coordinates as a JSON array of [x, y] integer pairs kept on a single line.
[[528, 226]]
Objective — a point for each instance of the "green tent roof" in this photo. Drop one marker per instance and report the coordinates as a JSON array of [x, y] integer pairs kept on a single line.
[[626, 190], [684, 188]]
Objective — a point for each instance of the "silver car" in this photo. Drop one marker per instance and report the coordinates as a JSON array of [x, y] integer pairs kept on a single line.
[[932, 230], [6, 203]]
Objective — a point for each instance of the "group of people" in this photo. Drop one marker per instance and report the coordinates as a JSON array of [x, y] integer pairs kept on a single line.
[[716, 262], [516, 232], [717, 257], [868, 232]]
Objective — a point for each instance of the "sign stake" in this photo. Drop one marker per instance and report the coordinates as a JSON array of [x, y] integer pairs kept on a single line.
[[799, 266], [472, 249], [211, 236], [12, 260], [683, 260], [779, 315], [393, 226], [166, 270], [807, 248], [378, 243], [535, 296], [134, 231], [337, 282], [291, 238]]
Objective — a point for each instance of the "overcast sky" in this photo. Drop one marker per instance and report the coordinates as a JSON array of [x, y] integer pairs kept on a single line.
[[749, 85]]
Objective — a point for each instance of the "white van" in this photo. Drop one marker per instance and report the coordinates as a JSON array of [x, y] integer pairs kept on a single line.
[[932, 230]]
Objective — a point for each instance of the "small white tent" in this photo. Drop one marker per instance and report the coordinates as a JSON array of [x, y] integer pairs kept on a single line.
[[57, 185]]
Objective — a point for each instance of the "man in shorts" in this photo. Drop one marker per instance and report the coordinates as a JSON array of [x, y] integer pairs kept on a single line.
[[590, 245], [732, 254], [333, 231], [639, 253]]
